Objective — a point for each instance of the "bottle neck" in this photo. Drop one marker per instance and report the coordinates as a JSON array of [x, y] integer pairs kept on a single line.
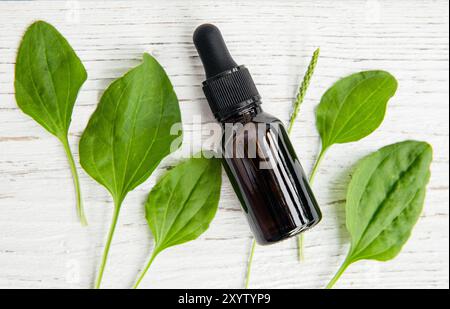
[[244, 115]]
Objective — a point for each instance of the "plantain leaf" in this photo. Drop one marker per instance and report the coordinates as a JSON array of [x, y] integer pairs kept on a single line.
[[354, 107], [129, 134], [384, 201], [48, 76], [183, 203]]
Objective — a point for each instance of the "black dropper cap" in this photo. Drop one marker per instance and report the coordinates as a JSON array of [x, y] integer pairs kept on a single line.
[[228, 88]]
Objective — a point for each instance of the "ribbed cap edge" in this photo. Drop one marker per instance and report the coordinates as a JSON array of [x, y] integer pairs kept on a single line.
[[230, 91]]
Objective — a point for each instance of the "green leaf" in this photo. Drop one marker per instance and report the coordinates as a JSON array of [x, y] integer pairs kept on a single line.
[[385, 199], [130, 133], [48, 76], [354, 107], [183, 203]]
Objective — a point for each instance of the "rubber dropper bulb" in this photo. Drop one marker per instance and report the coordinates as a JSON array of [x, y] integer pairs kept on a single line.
[[212, 50]]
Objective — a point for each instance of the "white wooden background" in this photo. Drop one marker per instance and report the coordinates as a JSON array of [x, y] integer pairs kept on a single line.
[[41, 242]]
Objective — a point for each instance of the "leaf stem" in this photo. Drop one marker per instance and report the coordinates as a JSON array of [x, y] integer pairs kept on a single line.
[[80, 210], [300, 254], [249, 265], [144, 272], [112, 228], [316, 165], [339, 273]]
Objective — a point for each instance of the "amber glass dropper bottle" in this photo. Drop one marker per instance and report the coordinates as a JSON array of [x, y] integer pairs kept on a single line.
[[257, 153]]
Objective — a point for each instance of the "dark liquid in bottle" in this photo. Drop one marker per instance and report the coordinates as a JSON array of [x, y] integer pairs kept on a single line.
[[268, 178]]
